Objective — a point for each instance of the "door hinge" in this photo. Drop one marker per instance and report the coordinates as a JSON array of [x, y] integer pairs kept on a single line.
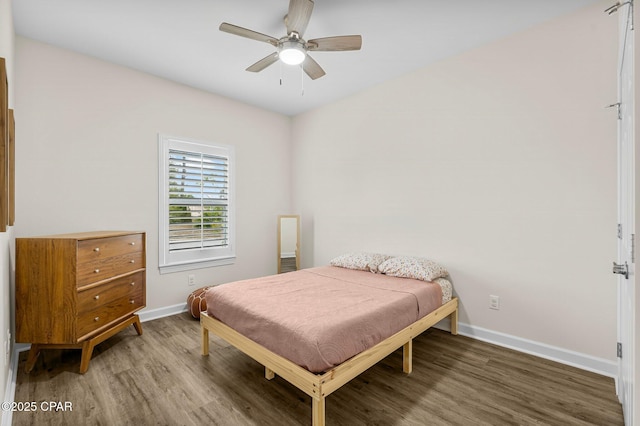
[[618, 107], [619, 231], [621, 269], [613, 9], [619, 350]]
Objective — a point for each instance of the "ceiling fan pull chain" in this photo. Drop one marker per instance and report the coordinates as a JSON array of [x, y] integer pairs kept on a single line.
[[301, 81], [280, 73]]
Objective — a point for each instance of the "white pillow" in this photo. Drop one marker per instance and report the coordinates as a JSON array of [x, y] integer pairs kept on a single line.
[[417, 268], [360, 261]]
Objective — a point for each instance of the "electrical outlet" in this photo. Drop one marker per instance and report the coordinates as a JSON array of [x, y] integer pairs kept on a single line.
[[191, 279], [494, 302]]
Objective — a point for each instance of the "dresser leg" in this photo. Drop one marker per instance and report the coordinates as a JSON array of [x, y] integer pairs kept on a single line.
[[88, 345], [87, 351], [31, 359], [137, 325]]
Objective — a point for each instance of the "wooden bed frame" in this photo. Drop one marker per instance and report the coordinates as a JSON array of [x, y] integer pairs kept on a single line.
[[319, 386]]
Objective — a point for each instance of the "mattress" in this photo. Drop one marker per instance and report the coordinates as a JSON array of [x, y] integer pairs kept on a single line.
[[320, 317]]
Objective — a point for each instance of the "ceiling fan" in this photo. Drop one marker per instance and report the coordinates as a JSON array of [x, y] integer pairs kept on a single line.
[[292, 49]]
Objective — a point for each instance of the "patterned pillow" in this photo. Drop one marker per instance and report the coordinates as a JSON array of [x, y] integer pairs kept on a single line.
[[447, 289], [417, 268], [360, 261], [196, 302]]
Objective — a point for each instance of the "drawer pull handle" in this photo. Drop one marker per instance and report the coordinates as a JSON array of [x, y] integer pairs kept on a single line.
[[97, 249], [96, 271], [97, 296], [132, 261], [132, 243], [133, 283], [96, 319], [132, 301]]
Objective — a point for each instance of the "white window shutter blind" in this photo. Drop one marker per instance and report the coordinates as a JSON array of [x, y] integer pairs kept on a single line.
[[198, 201]]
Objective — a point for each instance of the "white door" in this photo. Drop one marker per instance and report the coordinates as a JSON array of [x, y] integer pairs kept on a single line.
[[626, 215]]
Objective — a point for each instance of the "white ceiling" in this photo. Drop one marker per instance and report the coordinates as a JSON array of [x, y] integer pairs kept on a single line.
[[180, 41]]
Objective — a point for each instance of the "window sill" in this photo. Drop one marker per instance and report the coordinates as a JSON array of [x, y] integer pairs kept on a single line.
[[168, 269]]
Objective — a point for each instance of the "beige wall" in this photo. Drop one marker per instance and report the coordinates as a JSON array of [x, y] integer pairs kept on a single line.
[[88, 158], [499, 163], [6, 238]]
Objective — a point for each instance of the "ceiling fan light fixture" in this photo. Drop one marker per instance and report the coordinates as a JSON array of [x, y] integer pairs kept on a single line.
[[292, 52]]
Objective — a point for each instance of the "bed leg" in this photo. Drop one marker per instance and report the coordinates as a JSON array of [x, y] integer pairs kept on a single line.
[[269, 374], [317, 408], [407, 357], [454, 322], [205, 340]]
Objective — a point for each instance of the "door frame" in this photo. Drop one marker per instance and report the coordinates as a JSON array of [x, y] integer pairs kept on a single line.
[[628, 206], [636, 320]]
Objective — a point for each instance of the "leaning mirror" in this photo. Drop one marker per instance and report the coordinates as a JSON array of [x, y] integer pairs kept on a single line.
[[288, 243]]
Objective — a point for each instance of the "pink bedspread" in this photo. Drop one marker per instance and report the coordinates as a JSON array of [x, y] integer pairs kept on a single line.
[[320, 317]]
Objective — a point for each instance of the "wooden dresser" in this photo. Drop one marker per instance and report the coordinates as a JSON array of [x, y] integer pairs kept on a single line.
[[77, 290]]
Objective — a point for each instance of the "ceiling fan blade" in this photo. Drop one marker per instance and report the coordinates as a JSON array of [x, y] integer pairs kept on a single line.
[[311, 67], [298, 16], [264, 62], [338, 43], [243, 32]]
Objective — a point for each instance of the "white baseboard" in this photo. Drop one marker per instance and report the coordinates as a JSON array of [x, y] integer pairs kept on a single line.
[[10, 390], [542, 350], [151, 314]]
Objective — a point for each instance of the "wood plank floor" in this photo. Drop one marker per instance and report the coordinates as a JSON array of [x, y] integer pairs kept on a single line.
[[160, 378], [287, 264]]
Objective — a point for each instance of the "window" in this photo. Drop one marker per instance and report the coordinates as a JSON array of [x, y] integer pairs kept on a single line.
[[196, 204]]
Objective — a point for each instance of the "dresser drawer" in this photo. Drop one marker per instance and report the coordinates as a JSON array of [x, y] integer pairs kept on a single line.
[[92, 320], [90, 250], [104, 268], [129, 286]]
